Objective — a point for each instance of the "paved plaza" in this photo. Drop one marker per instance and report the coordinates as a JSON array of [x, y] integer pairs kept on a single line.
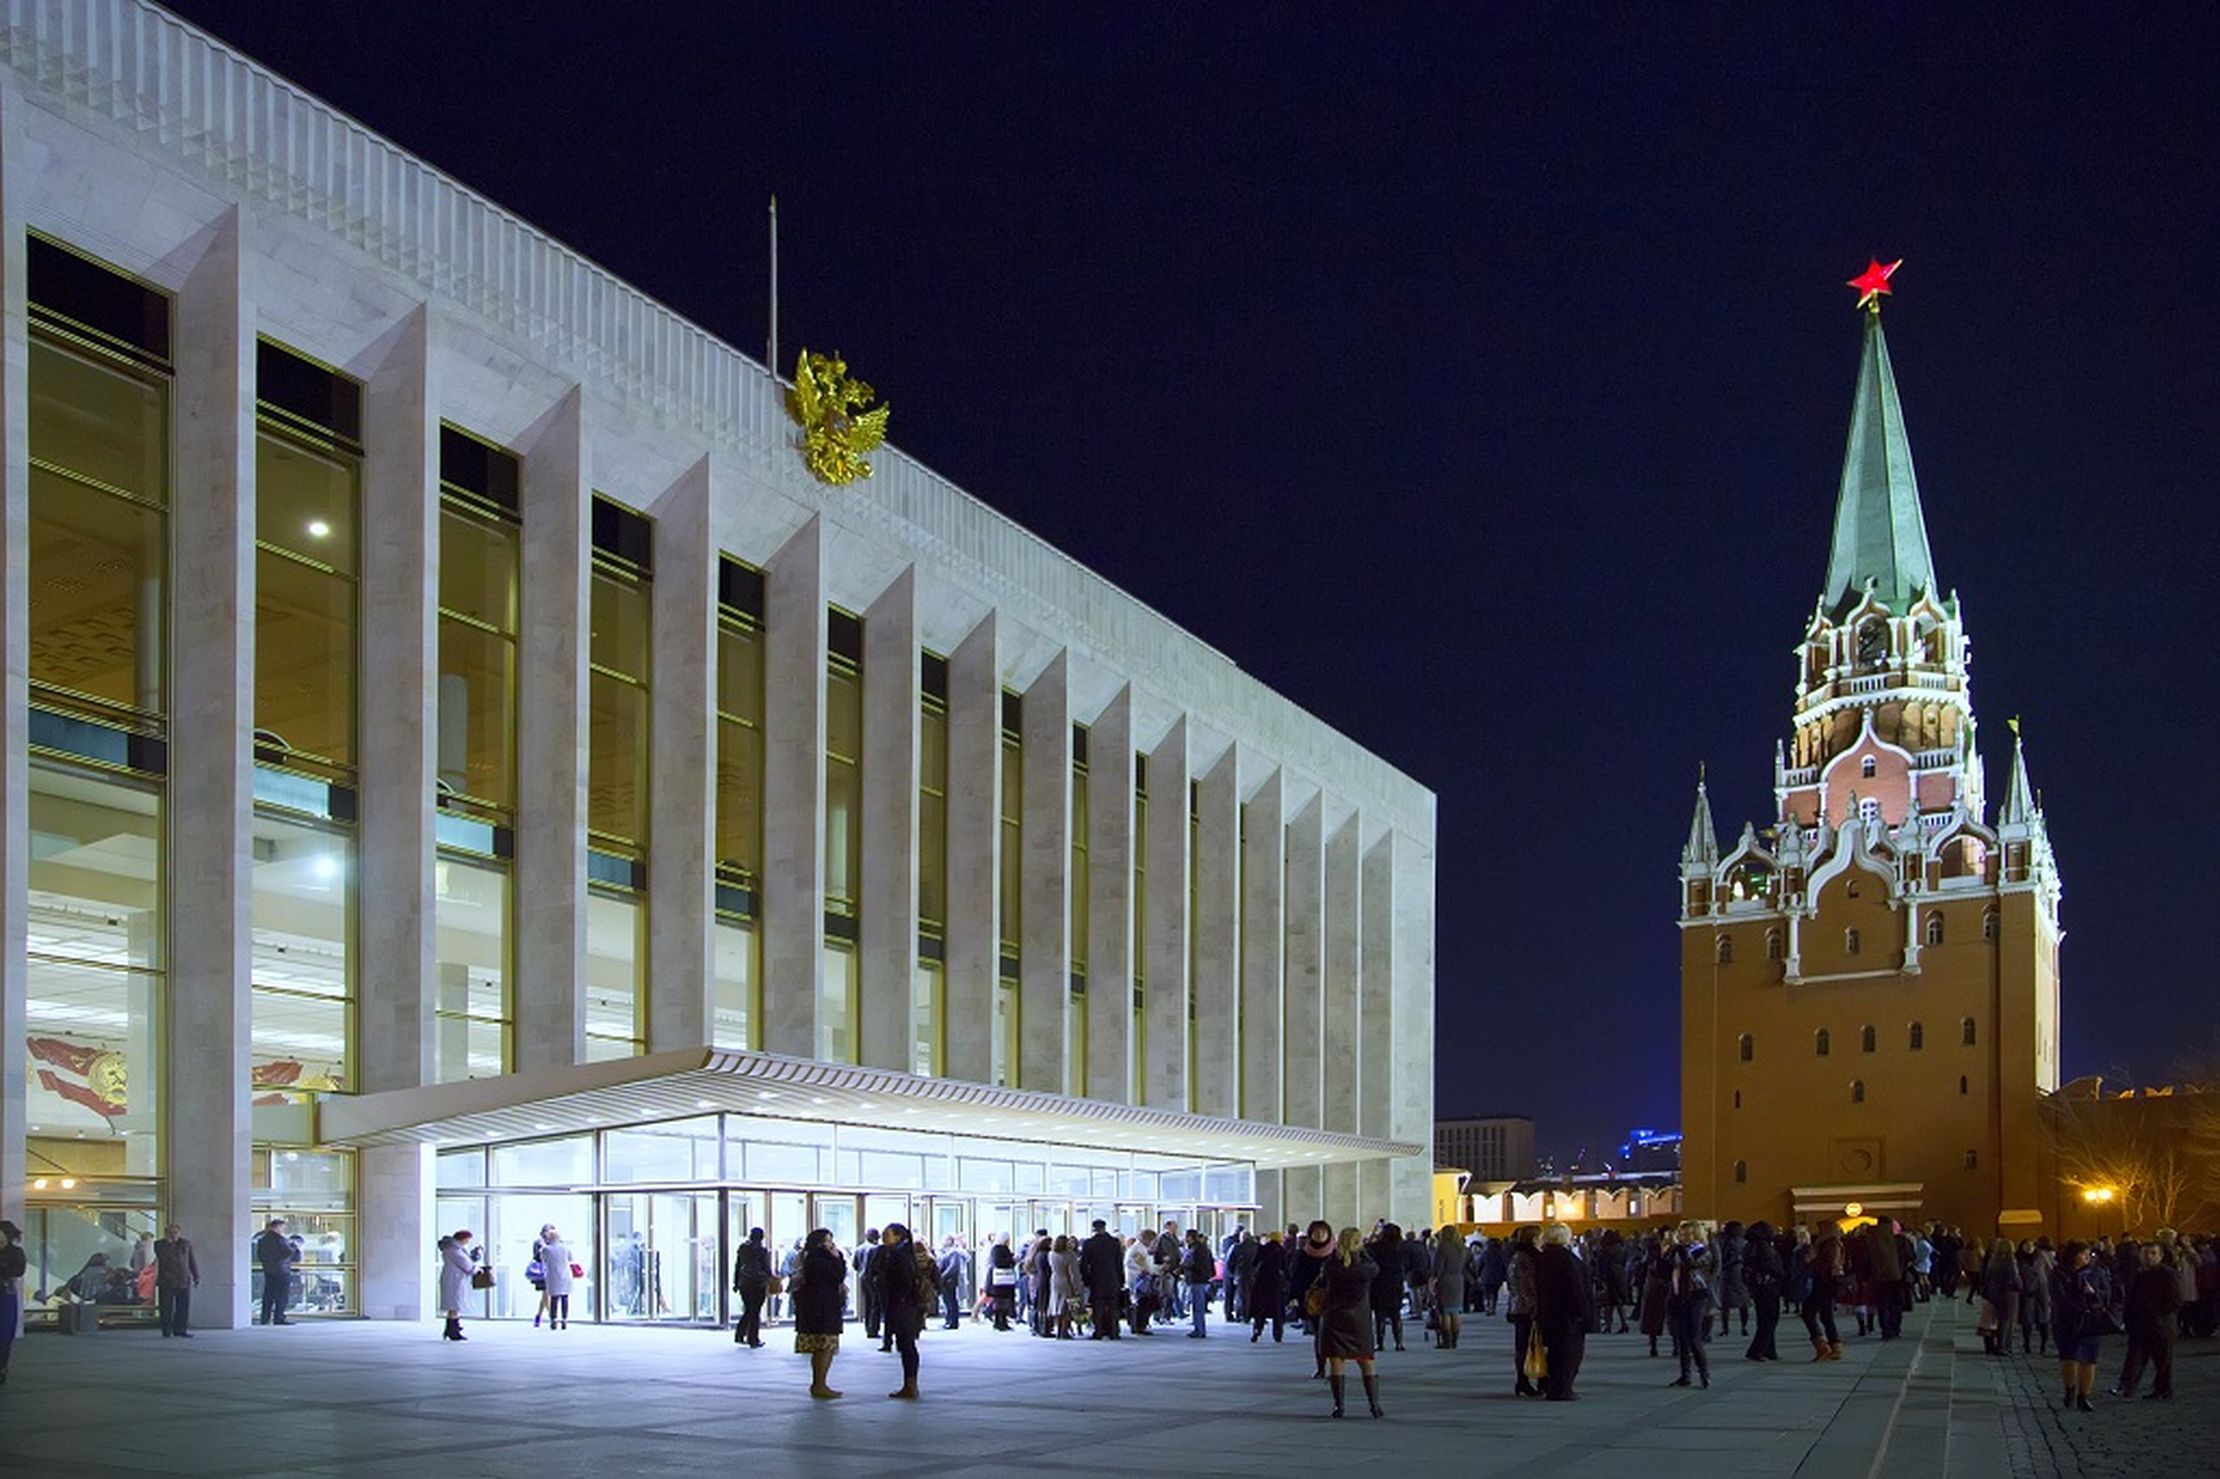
[[373, 1399]]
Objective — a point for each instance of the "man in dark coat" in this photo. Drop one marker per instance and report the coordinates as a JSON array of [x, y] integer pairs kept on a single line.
[[1102, 1270], [2153, 1301], [276, 1253], [176, 1271], [907, 1289], [1565, 1309], [867, 1281], [1887, 1269], [1240, 1259]]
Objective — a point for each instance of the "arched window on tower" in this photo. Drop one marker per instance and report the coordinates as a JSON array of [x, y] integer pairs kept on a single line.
[[1965, 1032], [1857, 1091], [1961, 1083], [1918, 1036], [1821, 1043], [1741, 1172], [1745, 1048], [1725, 950], [1865, 767], [1934, 929], [1868, 1039], [1737, 1098], [1869, 811], [1850, 942], [1773, 945], [1988, 925]]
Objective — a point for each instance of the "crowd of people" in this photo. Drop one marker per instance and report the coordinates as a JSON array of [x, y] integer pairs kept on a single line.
[[1354, 1295]]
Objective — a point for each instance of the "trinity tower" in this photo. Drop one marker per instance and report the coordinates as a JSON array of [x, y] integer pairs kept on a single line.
[[1869, 986]]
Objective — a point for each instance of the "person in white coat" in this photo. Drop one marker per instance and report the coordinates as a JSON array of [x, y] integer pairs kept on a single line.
[[555, 1268], [458, 1260]]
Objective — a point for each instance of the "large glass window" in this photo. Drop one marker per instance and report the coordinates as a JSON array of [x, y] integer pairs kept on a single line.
[[836, 1017], [474, 1011], [1137, 1074], [303, 981], [1076, 916], [313, 1190], [736, 1019], [307, 507], [480, 560], [617, 713], [1010, 892], [94, 957], [737, 1007], [98, 390], [616, 972], [926, 998], [844, 766]]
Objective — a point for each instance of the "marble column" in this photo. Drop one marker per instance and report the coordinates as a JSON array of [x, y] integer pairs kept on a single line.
[[549, 915], [682, 788], [1303, 1092], [1302, 1195], [1341, 1202], [1109, 885], [1411, 1033], [1166, 947], [397, 907], [1263, 948], [1044, 877], [1376, 993], [15, 648], [211, 790], [1342, 1035], [886, 953], [1217, 925], [794, 793], [974, 851]]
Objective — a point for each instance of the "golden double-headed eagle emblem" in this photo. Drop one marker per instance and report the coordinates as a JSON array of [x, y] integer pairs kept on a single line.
[[828, 404]]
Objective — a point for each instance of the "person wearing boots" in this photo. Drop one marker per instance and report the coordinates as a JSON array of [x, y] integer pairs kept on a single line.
[[907, 1289], [1449, 1290], [1345, 1328], [1763, 1274], [820, 1308], [2153, 1314], [1688, 1300], [1267, 1289], [458, 1260], [1824, 1261], [1518, 1307]]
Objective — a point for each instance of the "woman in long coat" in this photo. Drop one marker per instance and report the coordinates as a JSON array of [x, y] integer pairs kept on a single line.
[[1449, 1289], [1387, 1288], [1345, 1330], [820, 1300], [1564, 1309], [1656, 1284], [1518, 1285], [1268, 1288], [457, 1262], [908, 1283], [1066, 1294], [556, 1278]]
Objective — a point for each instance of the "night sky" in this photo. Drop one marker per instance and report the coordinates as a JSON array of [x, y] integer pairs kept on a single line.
[[1481, 388]]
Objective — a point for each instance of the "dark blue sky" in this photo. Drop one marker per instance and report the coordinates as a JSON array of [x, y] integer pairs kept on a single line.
[[1482, 387]]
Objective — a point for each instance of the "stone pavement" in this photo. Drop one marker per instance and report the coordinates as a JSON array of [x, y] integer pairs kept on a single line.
[[379, 1399], [2121, 1438]]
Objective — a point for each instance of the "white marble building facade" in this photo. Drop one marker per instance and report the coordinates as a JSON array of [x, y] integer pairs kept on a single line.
[[1289, 918]]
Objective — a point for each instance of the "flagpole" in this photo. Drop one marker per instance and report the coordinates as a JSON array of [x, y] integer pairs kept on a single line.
[[774, 287]]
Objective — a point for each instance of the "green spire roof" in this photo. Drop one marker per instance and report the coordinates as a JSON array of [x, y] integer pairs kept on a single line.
[[1879, 533]]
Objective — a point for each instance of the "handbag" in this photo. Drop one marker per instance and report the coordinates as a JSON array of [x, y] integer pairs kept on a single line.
[[1986, 1322], [481, 1277], [776, 1285], [535, 1271], [1314, 1300], [1536, 1365], [578, 1271]]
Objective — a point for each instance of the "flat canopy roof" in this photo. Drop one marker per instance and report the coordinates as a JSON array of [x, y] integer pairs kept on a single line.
[[691, 1081]]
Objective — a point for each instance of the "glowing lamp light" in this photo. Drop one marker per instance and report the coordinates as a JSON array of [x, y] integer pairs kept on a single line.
[[2096, 1195], [318, 529], [1853, 1209], [69, 1183], [39, 1185]]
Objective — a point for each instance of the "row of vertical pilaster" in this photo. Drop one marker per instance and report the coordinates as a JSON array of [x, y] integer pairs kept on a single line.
[[1166, 948], [972, 939], [1111, 948], [887, 944]]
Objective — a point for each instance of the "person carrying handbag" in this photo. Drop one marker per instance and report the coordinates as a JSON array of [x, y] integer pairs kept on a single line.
[[459, 1271], [753, 1281]]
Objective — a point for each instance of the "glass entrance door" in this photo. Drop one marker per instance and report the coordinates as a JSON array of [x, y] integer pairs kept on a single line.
[[663, 1253]]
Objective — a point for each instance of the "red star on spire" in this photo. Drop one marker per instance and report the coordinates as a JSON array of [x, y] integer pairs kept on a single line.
[[1873, 283]]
